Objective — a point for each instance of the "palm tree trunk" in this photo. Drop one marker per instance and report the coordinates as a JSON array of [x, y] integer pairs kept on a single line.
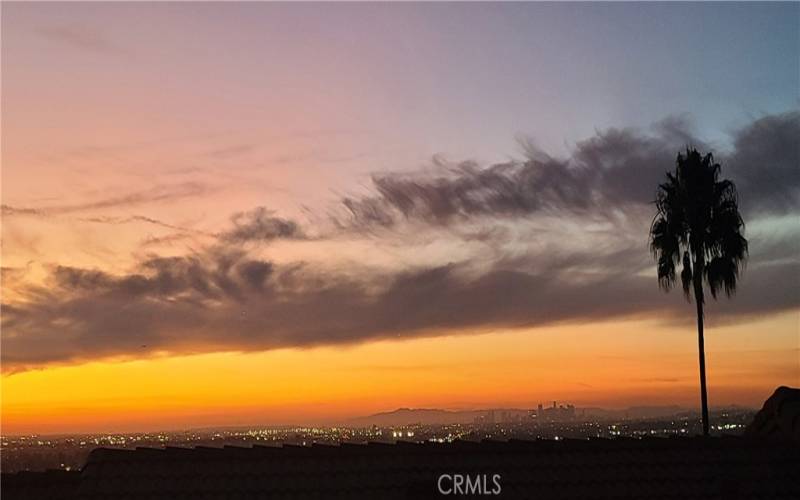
[[698, 298]]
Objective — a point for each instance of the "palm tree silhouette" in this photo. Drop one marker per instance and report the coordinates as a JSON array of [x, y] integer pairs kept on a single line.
[[698, 223]]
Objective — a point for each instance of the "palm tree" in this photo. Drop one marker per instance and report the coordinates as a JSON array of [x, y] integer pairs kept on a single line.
[[698, 225]]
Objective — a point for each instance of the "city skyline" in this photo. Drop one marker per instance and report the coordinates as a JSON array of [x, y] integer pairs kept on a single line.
[[261, 214]]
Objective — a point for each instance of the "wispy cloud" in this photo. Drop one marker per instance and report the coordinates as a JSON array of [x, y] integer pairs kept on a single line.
[[231, 151], [82, 37], [131, 219], [156, 194]]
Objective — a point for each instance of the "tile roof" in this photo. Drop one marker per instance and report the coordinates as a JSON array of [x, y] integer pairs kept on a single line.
[[652, 468]]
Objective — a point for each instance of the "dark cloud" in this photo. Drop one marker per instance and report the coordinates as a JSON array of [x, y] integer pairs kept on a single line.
[[261, 224], [765, 164], [465, 190], [229, 301], [611, 171]]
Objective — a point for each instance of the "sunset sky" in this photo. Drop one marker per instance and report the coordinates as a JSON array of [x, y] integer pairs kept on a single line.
[[225, 214]]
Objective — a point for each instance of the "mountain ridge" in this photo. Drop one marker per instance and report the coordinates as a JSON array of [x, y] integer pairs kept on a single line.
[[440, 416]]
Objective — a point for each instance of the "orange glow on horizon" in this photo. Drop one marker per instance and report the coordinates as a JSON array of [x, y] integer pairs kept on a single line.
[[646, 364]]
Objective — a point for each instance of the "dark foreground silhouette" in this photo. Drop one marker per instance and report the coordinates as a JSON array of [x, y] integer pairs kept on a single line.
[[761, 464]]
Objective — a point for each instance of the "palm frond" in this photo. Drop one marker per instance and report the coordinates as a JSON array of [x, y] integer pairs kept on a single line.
[[686, 275], [698, 222]]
